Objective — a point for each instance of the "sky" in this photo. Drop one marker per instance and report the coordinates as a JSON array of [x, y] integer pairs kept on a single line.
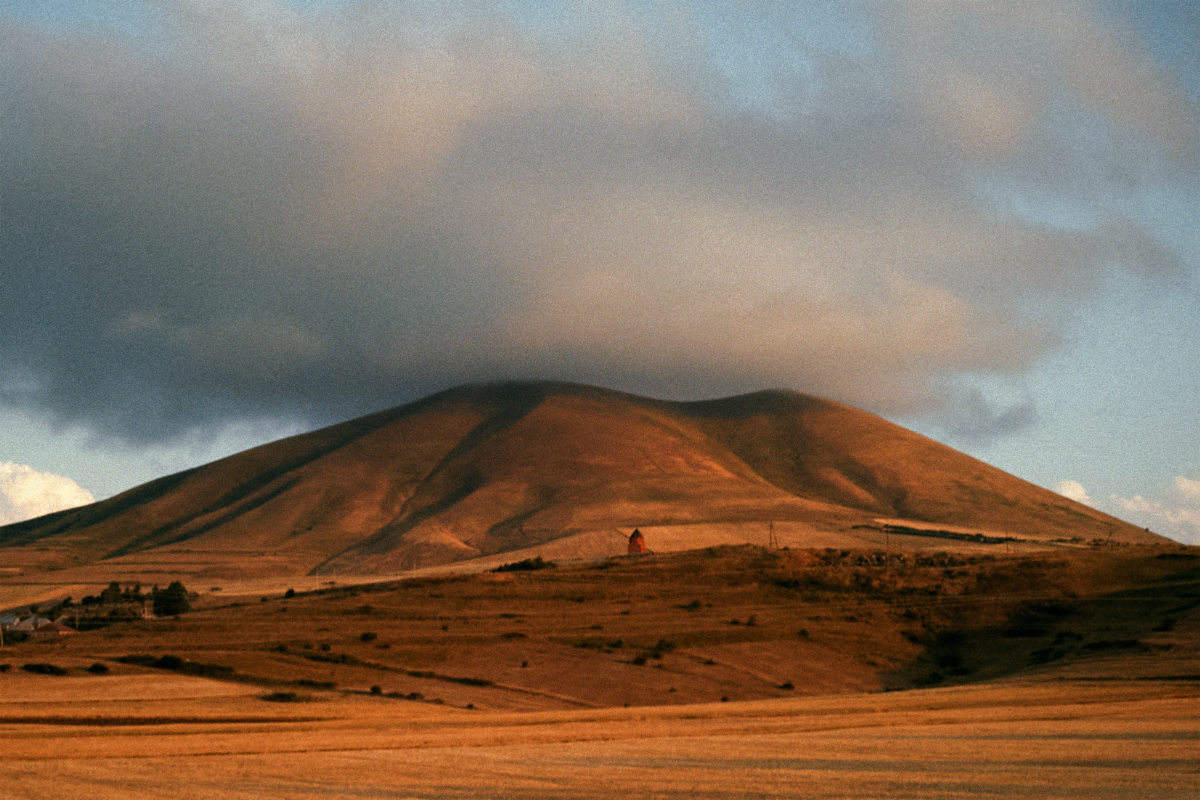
[[227, 221]]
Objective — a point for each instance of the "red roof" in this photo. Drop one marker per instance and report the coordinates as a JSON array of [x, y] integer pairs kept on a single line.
[[53, 629]]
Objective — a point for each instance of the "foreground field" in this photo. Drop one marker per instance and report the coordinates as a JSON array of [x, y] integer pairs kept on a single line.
[[1065, 739], [731, 671]]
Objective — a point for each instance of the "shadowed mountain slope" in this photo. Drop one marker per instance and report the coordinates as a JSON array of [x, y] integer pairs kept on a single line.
[[490, 469]]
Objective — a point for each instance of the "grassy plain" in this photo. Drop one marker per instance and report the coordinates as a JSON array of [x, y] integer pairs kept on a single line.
[[725, 672], [1039, 738]]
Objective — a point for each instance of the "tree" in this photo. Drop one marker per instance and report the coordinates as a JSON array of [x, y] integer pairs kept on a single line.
[[112, 594], [172, 600]]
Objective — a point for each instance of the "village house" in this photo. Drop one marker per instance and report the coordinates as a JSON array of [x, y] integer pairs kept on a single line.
[[51, 630], [29, 625]]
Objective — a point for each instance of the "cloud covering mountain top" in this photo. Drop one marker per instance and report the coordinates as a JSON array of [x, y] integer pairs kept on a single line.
[[237, 210]]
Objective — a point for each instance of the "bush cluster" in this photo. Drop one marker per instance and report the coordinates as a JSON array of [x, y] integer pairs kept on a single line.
[[526, 565], [177, 664], [45, 669]]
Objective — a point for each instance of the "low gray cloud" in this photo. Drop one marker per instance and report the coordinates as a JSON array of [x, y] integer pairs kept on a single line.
[[242, 211]]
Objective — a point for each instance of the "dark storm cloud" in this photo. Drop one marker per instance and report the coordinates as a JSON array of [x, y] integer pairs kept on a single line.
[[243, 211]]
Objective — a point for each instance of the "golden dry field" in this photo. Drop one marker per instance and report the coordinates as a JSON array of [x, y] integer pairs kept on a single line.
[[723, 672], [1034, 738]]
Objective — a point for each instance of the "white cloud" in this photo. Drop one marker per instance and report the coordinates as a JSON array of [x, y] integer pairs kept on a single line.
[[1173, 512], [26, 493], [1188, 487], [1074, 490]]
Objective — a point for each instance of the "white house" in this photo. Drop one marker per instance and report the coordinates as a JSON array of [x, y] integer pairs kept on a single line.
[[29, 625]]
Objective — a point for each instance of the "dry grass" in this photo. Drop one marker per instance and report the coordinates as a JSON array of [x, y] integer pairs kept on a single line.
[[1068, 674], [1021, 739], [741, 623], [482, 471]]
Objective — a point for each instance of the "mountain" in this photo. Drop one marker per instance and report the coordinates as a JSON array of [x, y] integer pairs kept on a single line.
[[492, 469]]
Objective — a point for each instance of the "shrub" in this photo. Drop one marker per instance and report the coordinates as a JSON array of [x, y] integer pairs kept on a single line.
[[286, 697], [98, 669], [177, 664], [140, 660], [468, 681], [290, 593], [44, 669], [527, 564], [663, 646], [376, 689]]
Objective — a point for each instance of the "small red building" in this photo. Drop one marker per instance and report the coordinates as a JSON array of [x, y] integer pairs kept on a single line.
[[51, 630], [637, 542]]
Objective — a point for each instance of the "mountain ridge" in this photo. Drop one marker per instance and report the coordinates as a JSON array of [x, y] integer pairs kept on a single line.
[[491, 468]]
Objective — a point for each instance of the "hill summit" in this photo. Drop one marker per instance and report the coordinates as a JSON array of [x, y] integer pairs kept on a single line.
[[498, 469]]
